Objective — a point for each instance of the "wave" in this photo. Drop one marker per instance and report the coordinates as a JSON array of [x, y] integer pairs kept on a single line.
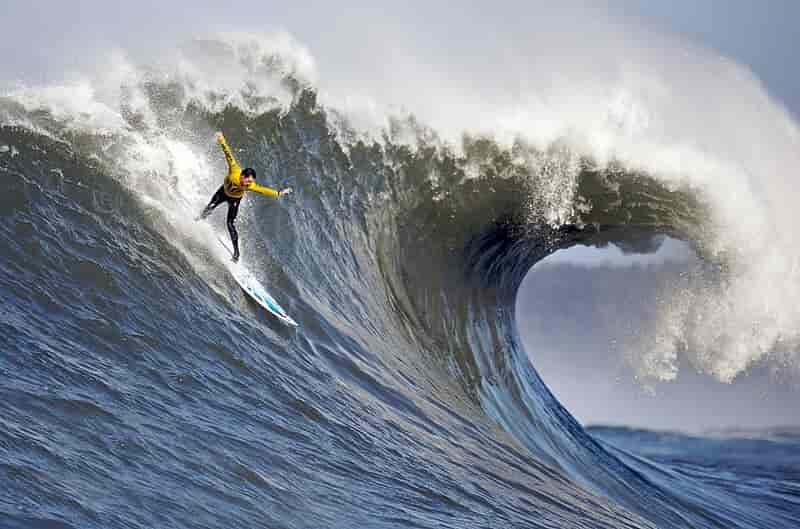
[[400, 256]]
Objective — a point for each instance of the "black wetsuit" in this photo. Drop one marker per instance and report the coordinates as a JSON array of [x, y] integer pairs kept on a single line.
[[233, 210]]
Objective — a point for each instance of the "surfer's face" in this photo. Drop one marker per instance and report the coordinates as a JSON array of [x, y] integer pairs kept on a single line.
[[246, 180]]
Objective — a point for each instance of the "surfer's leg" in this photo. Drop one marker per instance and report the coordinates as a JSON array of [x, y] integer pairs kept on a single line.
[[218, 198], [233, 210]]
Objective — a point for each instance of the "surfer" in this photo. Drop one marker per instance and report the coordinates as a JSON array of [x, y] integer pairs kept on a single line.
[[232, 190]]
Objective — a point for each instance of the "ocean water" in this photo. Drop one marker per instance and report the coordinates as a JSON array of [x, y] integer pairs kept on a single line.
[[140, 388]]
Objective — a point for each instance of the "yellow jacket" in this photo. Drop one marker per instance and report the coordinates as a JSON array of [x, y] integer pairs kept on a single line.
[[232, 186]]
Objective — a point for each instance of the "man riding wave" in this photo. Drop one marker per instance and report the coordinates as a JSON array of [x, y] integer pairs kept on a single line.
[[232, 190]]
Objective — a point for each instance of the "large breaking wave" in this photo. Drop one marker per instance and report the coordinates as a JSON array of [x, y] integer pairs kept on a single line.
[[405, 397]]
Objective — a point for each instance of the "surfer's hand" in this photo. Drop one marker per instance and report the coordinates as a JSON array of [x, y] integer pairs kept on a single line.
[[285, 191], [219, 137]]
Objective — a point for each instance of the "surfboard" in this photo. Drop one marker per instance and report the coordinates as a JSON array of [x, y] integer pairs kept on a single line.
[[253, 288]]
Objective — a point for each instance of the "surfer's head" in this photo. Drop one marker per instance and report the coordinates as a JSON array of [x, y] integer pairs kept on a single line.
[[248, 176]]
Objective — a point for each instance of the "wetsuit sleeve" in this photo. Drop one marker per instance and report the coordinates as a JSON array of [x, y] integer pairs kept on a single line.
[[263, 190], [233, 166]]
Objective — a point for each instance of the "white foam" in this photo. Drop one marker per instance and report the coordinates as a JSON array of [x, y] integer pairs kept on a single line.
[[244, 70]]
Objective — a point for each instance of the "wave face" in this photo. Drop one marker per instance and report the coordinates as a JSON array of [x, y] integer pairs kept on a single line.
[[142, 389]]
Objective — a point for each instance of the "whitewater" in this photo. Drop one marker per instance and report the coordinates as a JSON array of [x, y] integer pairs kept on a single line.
[[140, 387]]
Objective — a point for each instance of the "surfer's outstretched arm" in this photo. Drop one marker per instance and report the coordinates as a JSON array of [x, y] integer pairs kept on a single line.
[[234, 170], [264, 190]]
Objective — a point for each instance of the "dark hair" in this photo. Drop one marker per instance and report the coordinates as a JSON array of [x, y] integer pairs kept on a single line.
[[249, 172]]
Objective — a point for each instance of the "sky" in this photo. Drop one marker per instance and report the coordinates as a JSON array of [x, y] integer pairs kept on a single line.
[[761, 35]]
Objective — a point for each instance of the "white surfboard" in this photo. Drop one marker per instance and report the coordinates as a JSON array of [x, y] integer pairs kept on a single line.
[[256, 290]]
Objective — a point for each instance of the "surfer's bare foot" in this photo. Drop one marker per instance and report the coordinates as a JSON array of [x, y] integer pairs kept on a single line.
[[236, 257]]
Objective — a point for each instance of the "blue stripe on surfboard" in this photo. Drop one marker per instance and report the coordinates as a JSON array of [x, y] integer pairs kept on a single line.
[[257, 291]]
